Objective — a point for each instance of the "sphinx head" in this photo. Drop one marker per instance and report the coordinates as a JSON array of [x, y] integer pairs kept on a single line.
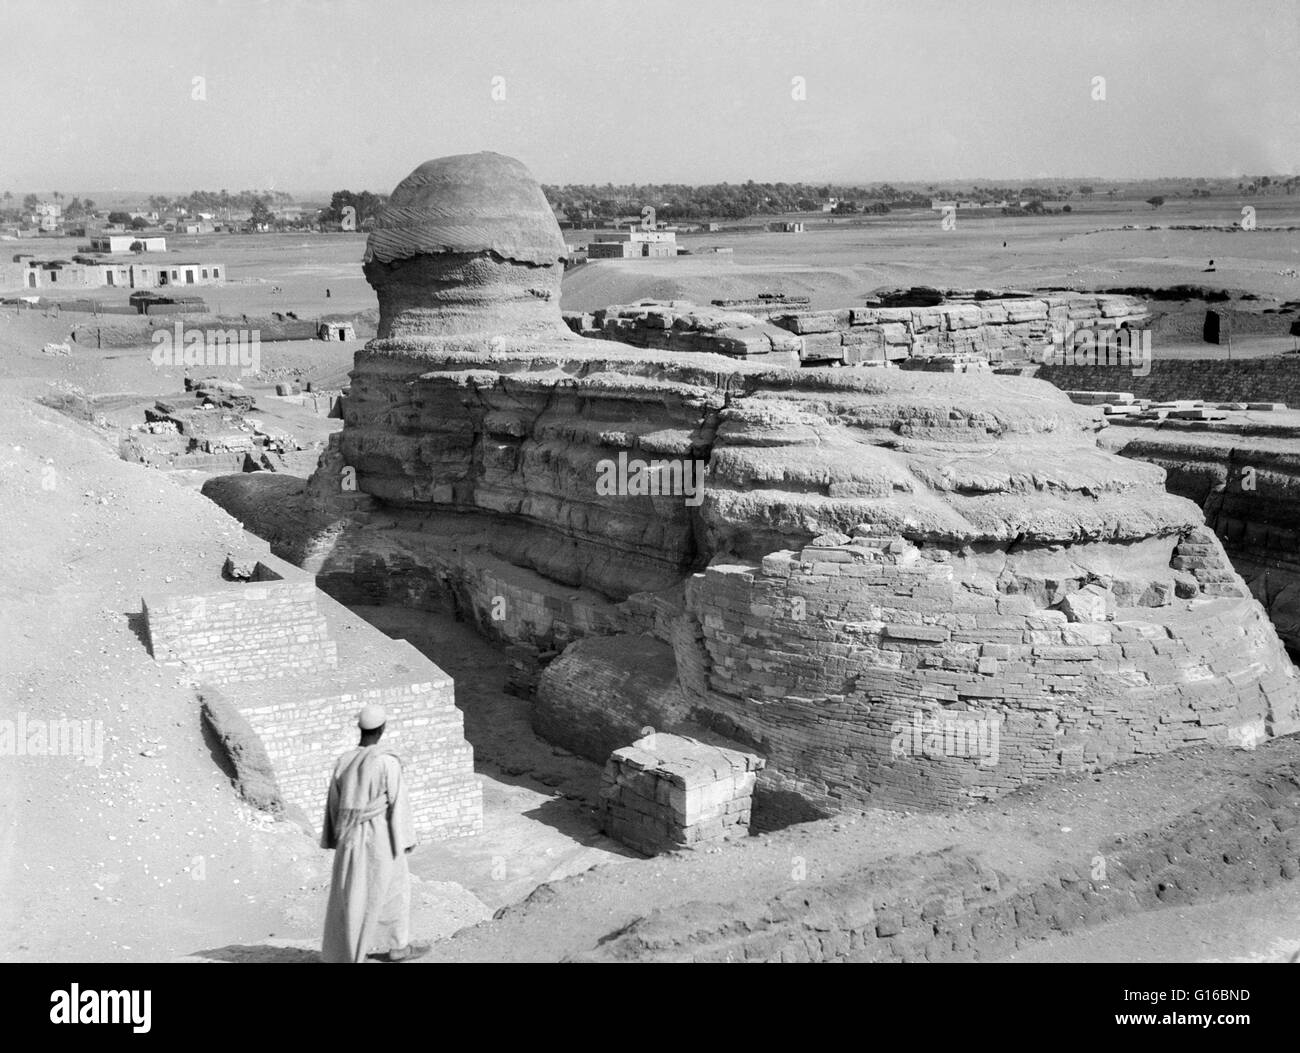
[[467, 245]]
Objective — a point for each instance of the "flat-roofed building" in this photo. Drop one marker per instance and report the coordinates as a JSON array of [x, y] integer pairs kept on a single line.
[[167, 273], [121, 273], [633, 243], [126, 243]]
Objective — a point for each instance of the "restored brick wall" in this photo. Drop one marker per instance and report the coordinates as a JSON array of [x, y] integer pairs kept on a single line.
[[305, 734], [1213, 379], [859, 674], [241, 631], [267, 642]]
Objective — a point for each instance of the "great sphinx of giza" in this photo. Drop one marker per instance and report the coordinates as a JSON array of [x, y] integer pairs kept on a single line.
[[901, 588]]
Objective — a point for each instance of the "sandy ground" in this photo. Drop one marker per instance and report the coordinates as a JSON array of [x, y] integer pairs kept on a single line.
[[837, 263], [148, 854], [1022, 836]]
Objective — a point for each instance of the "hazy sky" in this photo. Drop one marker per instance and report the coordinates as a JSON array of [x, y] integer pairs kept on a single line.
[[318, 95]]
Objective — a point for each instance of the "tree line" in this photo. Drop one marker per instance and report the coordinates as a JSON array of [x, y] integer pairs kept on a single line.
[[681, 202], [596, 204]]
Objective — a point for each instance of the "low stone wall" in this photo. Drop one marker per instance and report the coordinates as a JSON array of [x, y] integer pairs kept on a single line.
[[1212, 379], [160, 457], [141, 335], [990, 329], [682, 326], [295, 462]]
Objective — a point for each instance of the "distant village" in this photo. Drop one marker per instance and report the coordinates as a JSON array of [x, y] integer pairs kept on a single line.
[[246, 212], [127, 249]]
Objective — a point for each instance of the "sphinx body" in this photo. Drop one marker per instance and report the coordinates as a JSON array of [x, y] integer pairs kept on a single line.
[[882, 564]]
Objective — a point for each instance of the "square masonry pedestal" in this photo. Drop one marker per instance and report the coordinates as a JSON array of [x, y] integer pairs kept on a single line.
[[669, 792]]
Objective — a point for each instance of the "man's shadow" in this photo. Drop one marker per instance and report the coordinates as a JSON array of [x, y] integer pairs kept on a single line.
[[260, 952]]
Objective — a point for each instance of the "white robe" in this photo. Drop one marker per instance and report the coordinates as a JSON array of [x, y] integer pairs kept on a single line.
[[368, 824]]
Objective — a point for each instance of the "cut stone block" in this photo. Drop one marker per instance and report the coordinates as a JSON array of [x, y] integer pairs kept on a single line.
[[1090, 604], [668, 792]]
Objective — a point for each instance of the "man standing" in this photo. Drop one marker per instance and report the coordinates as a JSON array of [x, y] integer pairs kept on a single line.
[[368, 824]]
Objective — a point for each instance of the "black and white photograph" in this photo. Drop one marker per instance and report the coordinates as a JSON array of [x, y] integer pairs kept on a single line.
[[663, 481]]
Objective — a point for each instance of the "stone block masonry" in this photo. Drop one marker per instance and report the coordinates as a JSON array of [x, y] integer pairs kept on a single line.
[[872, 665], [1212, 379], [667, 792], [268, 643], [241, 631], [306, 727], [990, 329]]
